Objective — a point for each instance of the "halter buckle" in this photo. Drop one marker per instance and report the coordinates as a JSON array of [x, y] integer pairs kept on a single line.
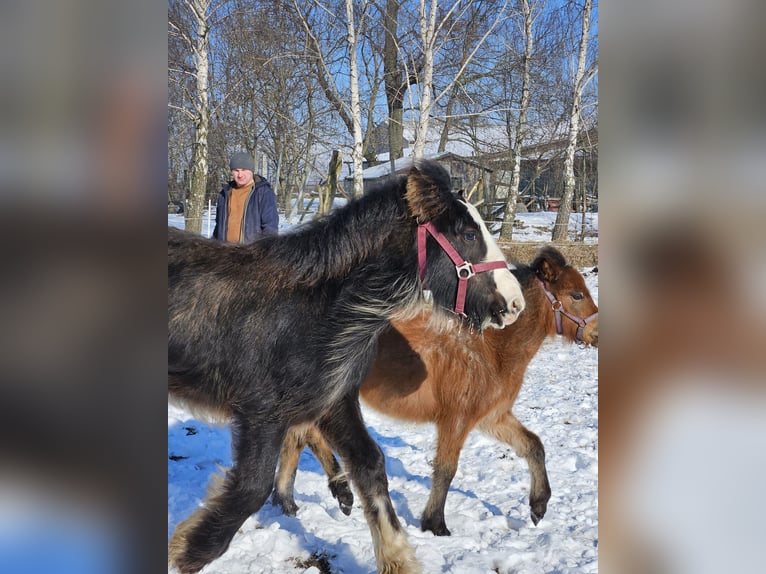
[[465, 271]]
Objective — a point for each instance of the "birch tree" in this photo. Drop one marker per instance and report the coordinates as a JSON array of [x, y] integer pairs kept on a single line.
[[356, 113], [428, 37], [581, 79], [192, 25], [429, 34], [506, 231], [319, 22]]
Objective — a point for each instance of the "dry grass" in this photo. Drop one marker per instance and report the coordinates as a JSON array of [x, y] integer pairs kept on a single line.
[[579, 255], [318, 559]]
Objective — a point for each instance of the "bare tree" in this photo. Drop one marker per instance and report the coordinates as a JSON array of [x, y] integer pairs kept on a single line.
[[506, 231], [429, 34], [465, 101], [356, 114], [397, 79], [333, 59], [190, 21], [581, 79]]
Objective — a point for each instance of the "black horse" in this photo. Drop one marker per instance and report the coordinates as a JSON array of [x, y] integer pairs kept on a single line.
[[283, 331]]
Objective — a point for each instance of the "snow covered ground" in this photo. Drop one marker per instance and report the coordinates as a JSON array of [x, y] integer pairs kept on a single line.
[[487, 506]]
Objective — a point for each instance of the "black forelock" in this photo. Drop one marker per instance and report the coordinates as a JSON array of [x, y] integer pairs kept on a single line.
[[436, 173]]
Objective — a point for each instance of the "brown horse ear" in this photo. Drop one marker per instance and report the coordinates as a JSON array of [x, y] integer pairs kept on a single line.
[[424, 194], [549, 264], [546, 272]]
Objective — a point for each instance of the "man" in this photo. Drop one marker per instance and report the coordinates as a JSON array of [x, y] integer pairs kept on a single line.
[[247, 206]]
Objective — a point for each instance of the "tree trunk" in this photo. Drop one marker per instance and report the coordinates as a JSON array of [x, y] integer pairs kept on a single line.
[[506, 231], [562, 217], [356, 113], [428, 35], [394, 83], [327, 189], [444, 138], [198, 184]]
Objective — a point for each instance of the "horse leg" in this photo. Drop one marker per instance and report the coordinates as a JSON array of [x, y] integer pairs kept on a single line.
[[450, 440], [527, 445], [284, 483], [206, 534], [297, 438], [344, 428], [337, 480]]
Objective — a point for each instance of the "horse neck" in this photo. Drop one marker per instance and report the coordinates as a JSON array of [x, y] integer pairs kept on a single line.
[[333, 247], [521, 340]]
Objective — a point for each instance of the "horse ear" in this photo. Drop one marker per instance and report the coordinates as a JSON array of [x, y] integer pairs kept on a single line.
[[548, 264], [424, 195]]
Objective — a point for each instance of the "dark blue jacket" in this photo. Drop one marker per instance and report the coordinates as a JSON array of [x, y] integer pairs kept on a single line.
[[261, 216]]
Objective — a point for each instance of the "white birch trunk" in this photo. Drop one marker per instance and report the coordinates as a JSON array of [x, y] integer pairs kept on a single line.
[[198, 181], [356, 114], [428, 35], [562, 217], [521, 126]]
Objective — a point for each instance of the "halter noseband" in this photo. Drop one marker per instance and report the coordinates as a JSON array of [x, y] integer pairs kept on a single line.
[[558, 310], [465, 269]]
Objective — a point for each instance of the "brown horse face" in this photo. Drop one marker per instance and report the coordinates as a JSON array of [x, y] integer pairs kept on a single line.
[[575, 312], [576, 300]]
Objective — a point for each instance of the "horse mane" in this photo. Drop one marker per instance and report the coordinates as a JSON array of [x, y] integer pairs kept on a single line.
[[331, 247], [524, 273]]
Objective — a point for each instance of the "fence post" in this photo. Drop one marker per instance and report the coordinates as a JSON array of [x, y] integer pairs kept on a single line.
[[209, 211]]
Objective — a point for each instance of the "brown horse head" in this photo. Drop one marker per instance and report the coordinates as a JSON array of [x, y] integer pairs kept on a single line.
[[576, 314]]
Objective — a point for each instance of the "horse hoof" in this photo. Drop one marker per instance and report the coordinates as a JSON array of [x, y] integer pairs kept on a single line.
[[342, 492], [437, 529], [288, 507], [537, 515]]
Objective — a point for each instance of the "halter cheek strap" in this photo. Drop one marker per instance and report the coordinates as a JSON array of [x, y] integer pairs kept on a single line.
[[558, 310], [465, 269]]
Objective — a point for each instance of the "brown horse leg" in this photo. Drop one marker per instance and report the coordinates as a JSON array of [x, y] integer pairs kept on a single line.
[[288, 466], [337, 480], [449, 443], [344, 428], [297, 438], [527, 445], [206, 534]]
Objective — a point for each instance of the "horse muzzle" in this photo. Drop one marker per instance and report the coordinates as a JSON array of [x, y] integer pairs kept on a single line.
[[503, 314]]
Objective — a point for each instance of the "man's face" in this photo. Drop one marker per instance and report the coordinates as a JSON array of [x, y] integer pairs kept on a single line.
[[242, 176]]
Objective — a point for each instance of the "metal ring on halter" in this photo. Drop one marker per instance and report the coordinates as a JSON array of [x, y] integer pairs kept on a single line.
[[467, 267]]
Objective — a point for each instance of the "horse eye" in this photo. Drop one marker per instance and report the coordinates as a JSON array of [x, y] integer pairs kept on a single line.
[[469, 236], [577, 295]]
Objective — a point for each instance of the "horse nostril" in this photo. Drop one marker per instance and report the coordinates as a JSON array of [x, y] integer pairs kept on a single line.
[[517, 306]]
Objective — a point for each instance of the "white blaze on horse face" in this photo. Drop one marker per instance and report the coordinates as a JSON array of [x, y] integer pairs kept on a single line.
[[507, 285]]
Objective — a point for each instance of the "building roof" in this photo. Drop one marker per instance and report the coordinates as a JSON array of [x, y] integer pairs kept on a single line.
[[403, 164]]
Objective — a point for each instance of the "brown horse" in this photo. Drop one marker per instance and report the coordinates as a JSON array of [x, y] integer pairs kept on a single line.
[[460, 382]]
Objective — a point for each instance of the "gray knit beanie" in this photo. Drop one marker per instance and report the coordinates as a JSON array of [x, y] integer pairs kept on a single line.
[[242, 160]]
